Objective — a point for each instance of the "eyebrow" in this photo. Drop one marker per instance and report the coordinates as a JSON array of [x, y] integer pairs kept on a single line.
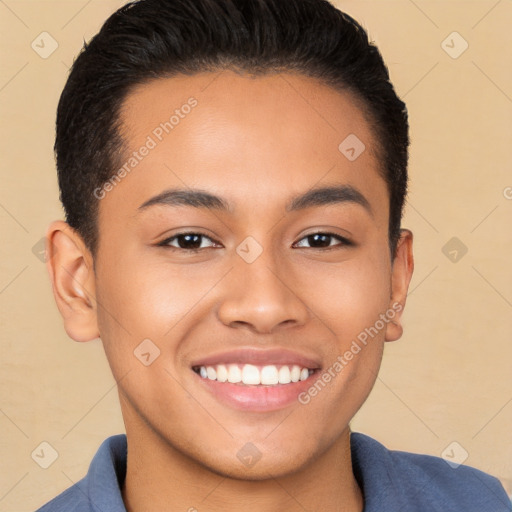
[[320, 196]]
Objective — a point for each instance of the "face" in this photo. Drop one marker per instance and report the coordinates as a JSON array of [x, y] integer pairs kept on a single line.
[[215, 249]]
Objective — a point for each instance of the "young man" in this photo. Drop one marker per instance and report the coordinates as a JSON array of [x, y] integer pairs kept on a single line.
[[233, 174]]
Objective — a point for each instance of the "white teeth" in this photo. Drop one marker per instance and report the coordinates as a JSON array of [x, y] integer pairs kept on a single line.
[[269, 375], [284, 375], [304, 374], [295, 374], [234, 374], [222, 373], [252, 375]]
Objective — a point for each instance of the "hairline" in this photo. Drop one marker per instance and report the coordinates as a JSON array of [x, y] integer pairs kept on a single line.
[[120, 128]]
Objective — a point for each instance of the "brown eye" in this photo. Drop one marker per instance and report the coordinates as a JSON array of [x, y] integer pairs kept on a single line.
[[324, 240], [187, 242]]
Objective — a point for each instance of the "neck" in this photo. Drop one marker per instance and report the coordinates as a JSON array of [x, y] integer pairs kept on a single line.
[[161, 478]]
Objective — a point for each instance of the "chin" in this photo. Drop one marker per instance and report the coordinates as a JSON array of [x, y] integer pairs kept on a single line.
[[267, 467]]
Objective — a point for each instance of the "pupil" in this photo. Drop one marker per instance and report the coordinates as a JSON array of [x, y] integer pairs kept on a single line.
[[186, 241], [323, 239]]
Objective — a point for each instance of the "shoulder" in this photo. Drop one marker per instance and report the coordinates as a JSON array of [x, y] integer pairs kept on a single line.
[[424, 482], [101, 487], [73, 499]]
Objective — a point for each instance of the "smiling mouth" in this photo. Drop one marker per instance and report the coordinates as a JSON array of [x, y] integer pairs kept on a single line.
[[254, 375]]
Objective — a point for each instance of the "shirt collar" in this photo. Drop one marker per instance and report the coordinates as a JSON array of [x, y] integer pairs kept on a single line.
[[107, 473]]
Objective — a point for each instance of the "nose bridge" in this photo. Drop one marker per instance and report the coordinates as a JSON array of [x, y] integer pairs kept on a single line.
[[258, 293]]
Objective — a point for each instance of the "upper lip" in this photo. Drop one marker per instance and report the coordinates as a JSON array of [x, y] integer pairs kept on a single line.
[[258, 357]]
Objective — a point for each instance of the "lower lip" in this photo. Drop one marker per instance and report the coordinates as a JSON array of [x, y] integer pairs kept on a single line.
[[257, 398]]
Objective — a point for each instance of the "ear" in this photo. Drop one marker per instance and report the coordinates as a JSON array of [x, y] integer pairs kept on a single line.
[[401, 274], [70, 265]]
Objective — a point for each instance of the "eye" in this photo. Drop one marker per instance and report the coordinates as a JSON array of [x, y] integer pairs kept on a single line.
[[195, 242], [188, 242], [323, 240]]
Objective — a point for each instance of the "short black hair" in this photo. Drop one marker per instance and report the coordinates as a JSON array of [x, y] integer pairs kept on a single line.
[[151, 39]]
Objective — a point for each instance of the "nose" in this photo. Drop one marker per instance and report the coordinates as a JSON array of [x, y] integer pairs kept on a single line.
[[262, 297]]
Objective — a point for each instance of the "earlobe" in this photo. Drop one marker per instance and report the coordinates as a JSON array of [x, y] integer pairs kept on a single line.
[[401, 274], [70, 266]]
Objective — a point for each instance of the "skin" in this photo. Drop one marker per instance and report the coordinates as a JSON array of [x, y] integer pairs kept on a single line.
[[257, 142]]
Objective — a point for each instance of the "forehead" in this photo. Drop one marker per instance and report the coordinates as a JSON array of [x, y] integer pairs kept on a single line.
[[264, 136], [227, 100]]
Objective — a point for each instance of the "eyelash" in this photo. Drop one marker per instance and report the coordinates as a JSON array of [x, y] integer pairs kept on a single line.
[[165, 243]]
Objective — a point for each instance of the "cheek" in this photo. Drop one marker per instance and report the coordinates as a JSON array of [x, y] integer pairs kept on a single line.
[[350, 296], [148, 294], [142, 298], [349, 302]]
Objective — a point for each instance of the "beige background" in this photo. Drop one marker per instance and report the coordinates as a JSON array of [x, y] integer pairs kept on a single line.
[[448, 379]]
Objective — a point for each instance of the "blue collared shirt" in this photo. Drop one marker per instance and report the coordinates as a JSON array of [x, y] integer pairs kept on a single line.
[[391, 481]]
